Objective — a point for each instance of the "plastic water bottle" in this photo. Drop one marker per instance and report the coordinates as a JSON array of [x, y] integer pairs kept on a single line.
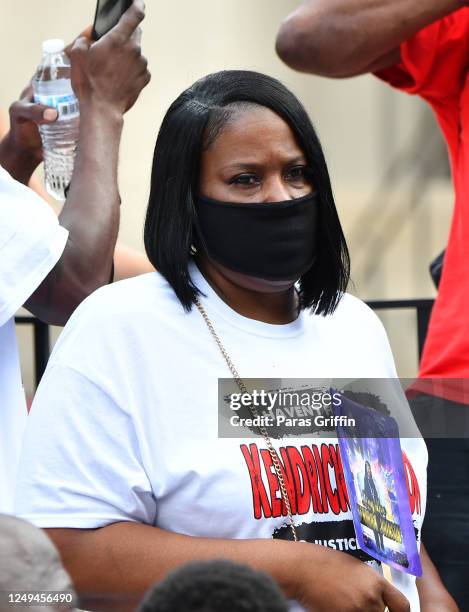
[[52, 87]]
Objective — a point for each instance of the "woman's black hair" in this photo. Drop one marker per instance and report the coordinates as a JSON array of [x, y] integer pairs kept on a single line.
[[193, 122]]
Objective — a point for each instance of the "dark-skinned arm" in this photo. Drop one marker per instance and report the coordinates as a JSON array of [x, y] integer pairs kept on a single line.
[[24, 139], [18, 158], [432, 593], [124, 560], [107, 78], [90, 214], [344, 38]]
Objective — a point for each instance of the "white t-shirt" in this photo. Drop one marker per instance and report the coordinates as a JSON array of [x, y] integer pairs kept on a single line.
[[124, 424], [31, 243]]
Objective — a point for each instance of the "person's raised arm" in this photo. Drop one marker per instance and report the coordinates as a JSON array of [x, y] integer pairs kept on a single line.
[[124, 560], [25, 117], [107, 78], [344, 38]]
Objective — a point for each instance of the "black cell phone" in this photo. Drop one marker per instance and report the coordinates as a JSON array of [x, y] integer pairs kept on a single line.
[[108, 14]]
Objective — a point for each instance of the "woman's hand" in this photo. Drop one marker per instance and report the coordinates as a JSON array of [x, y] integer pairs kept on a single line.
[[333, 581]]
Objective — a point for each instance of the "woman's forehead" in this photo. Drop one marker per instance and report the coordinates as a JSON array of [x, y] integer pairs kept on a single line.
[[252, 134]]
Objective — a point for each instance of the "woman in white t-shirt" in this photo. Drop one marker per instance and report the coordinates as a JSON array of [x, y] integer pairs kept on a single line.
[[123, 464]]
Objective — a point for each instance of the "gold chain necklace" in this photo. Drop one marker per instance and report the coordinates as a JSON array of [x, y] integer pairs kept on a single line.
[[242, 387]]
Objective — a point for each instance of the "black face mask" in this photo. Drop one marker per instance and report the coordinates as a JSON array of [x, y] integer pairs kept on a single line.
[[273, 241]]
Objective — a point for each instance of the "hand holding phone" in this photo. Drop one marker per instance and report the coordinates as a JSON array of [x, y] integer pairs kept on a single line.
[[113, 70], [108, 14]]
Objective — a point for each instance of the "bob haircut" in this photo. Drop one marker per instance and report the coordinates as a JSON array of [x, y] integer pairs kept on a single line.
[[191, 124]]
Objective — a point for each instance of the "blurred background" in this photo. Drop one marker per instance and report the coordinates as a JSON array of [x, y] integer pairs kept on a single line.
[[386, 158]]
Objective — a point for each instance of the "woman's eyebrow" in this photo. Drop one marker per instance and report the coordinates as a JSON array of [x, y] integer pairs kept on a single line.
[[299, 159], [255, 165], [242, 165]]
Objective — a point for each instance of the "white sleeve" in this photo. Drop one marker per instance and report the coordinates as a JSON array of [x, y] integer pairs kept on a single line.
[[80, 465], [366, 352], [31, 243], [380, 345]]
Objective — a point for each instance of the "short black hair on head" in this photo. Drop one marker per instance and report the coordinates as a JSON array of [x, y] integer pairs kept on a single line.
[[215, 586], [192, 122]]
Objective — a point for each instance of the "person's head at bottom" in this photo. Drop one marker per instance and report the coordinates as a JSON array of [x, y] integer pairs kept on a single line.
[[215, 586], [240, 182], [29, 565]]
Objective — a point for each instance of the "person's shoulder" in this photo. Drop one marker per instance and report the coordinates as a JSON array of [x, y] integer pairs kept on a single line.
[[143, 283], [356, 330], [352, 303], [146, 293], [353, 319], [122, 310], [352, 310]]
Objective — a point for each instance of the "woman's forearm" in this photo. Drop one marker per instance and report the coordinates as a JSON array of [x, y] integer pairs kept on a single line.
[[340, 38], [126, 559], [120, 562], [432, 593]]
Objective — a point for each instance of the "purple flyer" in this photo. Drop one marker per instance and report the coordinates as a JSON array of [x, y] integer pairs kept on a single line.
[[374, 473]]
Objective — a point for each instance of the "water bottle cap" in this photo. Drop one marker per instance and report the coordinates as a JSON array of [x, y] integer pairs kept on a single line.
[[54, 45]]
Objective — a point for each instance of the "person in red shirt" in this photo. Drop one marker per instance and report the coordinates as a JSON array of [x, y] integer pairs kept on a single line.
[[420, 47]]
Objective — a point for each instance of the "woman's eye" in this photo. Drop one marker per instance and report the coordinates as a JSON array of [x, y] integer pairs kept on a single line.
[[298, 173], [245, 179]]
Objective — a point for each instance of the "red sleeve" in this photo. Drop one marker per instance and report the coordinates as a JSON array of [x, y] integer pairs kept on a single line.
[[434, 61]]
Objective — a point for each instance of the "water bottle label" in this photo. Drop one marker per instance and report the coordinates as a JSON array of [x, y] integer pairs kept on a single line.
[[67, 106]]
